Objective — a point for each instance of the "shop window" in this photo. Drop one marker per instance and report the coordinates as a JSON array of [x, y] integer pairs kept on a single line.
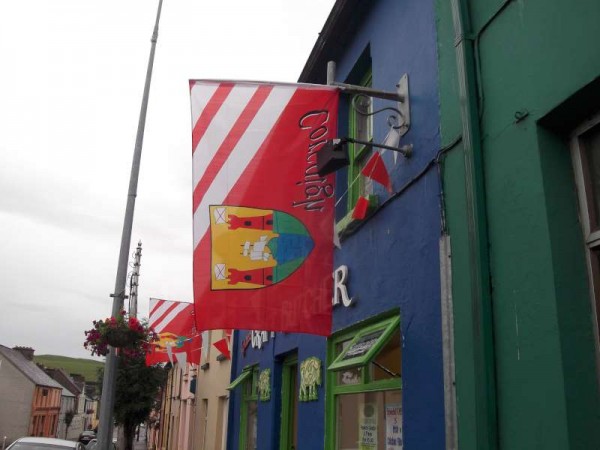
[[289, 404], [585, 150], [248, 383], [364, 403]]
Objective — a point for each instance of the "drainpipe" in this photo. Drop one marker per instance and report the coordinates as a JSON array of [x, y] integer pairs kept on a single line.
[[485, 414]]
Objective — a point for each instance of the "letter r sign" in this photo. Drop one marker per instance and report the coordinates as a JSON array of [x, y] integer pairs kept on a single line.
[[340, 291]]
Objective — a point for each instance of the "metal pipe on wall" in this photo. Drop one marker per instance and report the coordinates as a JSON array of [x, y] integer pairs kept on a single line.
[[485, 414]]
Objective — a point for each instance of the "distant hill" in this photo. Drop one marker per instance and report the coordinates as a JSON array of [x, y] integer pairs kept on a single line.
[[86, 367]]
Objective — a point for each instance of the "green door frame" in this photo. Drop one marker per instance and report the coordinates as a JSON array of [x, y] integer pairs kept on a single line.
[[251, 380], [290, 368]]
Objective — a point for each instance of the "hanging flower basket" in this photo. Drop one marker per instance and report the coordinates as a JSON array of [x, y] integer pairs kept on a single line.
[[120, 337], [122, 332]]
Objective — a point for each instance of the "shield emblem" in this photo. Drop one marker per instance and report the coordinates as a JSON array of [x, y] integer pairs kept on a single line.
[[253, 248]]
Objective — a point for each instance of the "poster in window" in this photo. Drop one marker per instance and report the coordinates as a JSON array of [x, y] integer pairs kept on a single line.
[[393, 426], [367, 427]]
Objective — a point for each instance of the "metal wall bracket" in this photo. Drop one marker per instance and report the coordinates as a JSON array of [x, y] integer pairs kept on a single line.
[[399, 121]]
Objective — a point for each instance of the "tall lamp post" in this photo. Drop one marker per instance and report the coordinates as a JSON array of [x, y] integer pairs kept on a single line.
[[110, 369]]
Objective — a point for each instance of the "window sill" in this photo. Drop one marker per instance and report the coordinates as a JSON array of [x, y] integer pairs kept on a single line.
[[347, 225]]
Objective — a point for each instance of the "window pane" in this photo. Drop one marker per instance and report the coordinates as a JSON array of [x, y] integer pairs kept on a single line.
[[251, 425], [349, 376], [388, 362], [591, 145], [363, 121], [369, 421], [248, 387]]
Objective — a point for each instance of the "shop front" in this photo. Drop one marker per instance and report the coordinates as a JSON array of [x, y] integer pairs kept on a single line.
[[364, 399]]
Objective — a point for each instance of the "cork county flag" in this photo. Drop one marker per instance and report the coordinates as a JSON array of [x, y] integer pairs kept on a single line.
[[263, 251]]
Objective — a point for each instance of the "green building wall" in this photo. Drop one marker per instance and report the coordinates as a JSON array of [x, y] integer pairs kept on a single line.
[[538, 75]]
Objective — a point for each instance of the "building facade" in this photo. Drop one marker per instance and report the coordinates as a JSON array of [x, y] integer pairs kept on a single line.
[[212, 396], [519, 104], [67, 412], [266, 411], [31, 400], [378, 381], [194, 400], [467, 295], [76, 402], [176, 413]]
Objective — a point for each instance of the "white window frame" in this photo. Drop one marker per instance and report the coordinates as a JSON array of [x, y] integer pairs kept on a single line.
[[591, 237]]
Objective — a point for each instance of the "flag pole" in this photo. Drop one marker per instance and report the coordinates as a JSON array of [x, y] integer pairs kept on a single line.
[[110, 368]]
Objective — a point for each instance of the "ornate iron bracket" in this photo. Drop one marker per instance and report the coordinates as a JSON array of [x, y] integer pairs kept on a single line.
[[334, 155], [399, 121]]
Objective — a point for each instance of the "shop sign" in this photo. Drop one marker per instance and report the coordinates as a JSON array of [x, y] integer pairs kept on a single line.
[[256, 339], [363, 345], [340, 290]]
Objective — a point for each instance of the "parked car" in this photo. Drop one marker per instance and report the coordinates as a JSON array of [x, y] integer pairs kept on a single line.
[[86, 436], [39, 443], [94, 444]]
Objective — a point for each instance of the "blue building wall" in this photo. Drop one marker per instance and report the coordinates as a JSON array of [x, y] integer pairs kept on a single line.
[[311, 415], [393, 259]]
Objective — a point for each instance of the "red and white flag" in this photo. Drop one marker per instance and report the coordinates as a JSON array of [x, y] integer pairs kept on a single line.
[[174, 324], [376, 170], [263, 251]]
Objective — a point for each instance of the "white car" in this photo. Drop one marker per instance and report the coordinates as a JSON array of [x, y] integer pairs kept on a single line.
[[40, 443], [93, 445]]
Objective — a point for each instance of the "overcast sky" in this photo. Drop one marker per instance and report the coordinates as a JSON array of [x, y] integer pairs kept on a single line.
[[71, 80]]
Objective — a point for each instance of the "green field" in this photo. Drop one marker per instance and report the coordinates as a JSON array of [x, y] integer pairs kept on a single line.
[[86, 367]]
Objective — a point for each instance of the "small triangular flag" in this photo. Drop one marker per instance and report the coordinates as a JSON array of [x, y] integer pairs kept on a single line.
[[336, 238], [181, 358], [375, 170], [360, 209], [170, 352], [223, 347]]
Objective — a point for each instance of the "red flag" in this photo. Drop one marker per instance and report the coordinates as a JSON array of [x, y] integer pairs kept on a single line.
[[156, 355], [174, 324], [193, 348], [360, 209], [375, 169], [262, 214], [223, 347]]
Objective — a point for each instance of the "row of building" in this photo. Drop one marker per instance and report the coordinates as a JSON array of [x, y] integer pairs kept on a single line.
[[40, 401], [466, 303]]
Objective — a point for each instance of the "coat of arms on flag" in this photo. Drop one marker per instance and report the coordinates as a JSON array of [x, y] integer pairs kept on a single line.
[[174, 324], [263, 217], [254, 248]]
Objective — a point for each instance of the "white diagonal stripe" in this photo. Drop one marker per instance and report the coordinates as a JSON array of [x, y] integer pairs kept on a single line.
[[242, 154], [219, 128], [160, 310], [152, 305], [169, 317], [200, 95]]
